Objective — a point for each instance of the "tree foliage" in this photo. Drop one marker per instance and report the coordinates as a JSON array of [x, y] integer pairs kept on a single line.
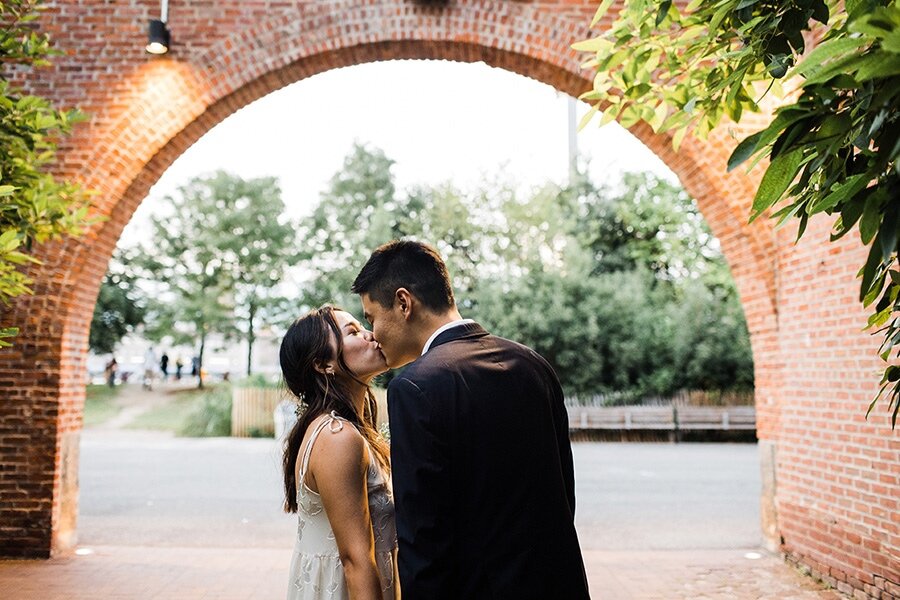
[[35, 207], [362, 209], [217, 254], [603, 281], [832, 149], [120, 307], [356, 210]]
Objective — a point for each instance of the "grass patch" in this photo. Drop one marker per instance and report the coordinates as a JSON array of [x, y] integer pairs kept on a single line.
[[194, 413], [100, 404], [171, 413]]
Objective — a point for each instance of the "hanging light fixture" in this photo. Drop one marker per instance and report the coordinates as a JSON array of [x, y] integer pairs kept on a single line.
[[157, 33]]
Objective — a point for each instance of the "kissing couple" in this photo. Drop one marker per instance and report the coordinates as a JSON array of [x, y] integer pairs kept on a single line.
[[475, 496]]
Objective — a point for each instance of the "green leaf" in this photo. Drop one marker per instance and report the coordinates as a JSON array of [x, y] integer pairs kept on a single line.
[[596, 44], [783, 119], [664, 7], [659, 116], [889, 229], [9, 240], [744, 150], [775, 181], [610, 114], [840, 193], [871, 219], [850, 214], [678, 137], [614, 60], [601, 11], [629, 116], [816, 60], [869, 270], [804, 221], [879, 65], [588, 116], [874, 291]]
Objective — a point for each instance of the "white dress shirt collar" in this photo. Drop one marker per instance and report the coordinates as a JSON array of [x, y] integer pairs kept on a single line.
[[442, 329]]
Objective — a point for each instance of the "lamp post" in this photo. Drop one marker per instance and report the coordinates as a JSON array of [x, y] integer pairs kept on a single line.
[[158, 37]]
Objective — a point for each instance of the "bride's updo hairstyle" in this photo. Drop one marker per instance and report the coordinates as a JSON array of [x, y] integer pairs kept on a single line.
[[305, 351]]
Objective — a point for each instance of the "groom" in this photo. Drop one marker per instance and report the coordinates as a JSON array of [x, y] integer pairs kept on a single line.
[[482, 465]]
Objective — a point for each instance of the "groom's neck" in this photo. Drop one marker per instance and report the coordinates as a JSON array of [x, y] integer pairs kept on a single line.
[[431, 322]]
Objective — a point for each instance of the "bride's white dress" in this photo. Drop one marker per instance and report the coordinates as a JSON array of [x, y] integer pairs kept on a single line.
[[316, 570]]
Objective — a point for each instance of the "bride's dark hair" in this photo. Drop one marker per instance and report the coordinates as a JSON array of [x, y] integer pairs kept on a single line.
[[305, 350]]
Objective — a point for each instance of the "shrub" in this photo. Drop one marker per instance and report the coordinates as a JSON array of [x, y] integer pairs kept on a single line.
[[212, 417]]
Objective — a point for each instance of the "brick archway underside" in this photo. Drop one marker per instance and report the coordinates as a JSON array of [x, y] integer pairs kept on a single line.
[[146, 111]]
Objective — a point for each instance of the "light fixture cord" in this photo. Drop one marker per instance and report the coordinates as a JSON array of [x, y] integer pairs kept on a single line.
[[164, 11]]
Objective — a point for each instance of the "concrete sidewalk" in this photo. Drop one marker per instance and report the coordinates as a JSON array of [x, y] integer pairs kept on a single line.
[[141, 573]]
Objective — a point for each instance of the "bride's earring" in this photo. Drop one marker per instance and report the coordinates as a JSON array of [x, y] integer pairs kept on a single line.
[[329, 373]]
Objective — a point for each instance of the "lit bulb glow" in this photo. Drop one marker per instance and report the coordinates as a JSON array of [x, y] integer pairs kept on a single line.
[[157, 48]]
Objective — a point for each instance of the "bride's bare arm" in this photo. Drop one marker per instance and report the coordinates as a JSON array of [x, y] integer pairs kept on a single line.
[[338, 464]]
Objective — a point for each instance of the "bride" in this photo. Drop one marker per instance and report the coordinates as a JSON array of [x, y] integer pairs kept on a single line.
[[336, 466]]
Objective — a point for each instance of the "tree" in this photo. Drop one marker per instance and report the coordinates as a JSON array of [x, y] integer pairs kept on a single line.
[[601, 334], [260, 244], [362, 209], [591, 277], [120, 307], [357, 213], [211, 257], [644, 221], [35, 207], [832, 150], [630, 293]]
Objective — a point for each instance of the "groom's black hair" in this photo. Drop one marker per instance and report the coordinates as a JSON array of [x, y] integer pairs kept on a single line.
[[406, 264]]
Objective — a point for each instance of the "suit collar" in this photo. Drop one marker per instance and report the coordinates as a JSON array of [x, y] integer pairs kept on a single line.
[[463, 331]]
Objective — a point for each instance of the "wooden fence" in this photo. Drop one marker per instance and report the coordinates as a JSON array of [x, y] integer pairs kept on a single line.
[[680, 398], [252, 411], [662, 418]]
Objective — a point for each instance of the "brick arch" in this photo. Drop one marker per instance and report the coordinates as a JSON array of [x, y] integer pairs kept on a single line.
[[146, 111]]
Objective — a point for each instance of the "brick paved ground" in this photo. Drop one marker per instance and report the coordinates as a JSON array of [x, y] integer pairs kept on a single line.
[[120, 573]]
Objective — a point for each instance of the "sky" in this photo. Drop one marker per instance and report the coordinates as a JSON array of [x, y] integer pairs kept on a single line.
[[438, 120]]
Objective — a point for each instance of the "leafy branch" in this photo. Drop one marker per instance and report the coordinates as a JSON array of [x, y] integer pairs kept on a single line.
[[34, 206], [832, 150]]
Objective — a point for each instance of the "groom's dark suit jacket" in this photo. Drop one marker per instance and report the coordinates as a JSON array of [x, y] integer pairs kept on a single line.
[[482, 472]]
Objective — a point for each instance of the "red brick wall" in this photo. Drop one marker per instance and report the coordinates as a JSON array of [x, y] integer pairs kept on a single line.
[[836, 475]]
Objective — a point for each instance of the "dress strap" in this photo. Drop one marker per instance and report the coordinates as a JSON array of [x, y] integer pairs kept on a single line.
[[334, 424]]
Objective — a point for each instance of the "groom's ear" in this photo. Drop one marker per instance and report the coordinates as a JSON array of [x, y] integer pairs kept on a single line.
[[404, 301]]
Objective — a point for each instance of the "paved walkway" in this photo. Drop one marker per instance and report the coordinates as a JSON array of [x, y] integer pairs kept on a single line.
[[138, 573], [154, 490]]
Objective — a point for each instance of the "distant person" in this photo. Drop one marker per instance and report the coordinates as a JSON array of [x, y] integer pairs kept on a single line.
[[336, 471], [164, 366], [195, 366], [483, 475], [149, 368], [179, 365], [110, 371]]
